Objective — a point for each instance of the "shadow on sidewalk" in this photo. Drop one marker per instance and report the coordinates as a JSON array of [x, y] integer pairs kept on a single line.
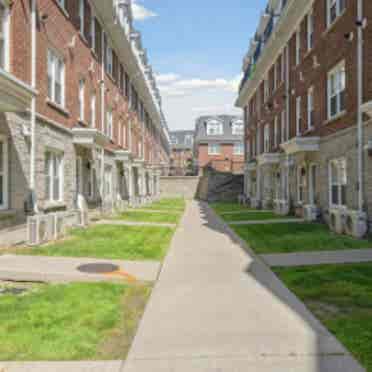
[[330, 355]]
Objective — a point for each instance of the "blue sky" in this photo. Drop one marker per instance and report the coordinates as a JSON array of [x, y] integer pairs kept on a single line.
[[196, 49]]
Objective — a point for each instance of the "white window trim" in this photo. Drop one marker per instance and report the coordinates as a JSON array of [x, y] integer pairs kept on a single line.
[[301, 182], [214, 128], [267, 138], [338, 11], [93, 112], [93, 30], [298, 116], [239, 149], [276, 128], [310, 30], [238, 128], [109, 123], [310, 107], [312, 190], [5, 174], [60, 154], [56, 57], [298, 47], [339, 185], [81, 16], [335, 71], [82, 100], [214, 149], [6, 36]]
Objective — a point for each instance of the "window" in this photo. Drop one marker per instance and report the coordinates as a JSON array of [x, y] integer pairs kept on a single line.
[[266, 89], [238, 128], [282, 65], [53, 176], [93, 32], [239, 149], [81, 15], [310, 31], [298, 116], [301, 184], [214, 149], [336, 90], [81, 100], [312, 184], [282, 124], [56, 79], [338, 182], [61, 3], [109, 60], [276, 130], [214, 128], [189, 139], [3, 173], [174, 140], [91, 179], [334, 9], [4, 36], [108, 184], [310, 108], [298, 46], [109, 124], [93, 111], [267, 138]]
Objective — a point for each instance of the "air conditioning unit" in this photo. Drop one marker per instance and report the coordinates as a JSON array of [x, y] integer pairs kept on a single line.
[[311, 213], [40, 229], [255, 203], [337, 220], [356, 224]]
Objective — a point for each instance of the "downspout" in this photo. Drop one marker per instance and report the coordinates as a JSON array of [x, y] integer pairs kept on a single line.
[[102, 170], [360, 24], [33, 109], [288, 107]]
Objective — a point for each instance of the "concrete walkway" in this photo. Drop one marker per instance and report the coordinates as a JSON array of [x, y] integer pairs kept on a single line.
[[64, 270], [246, 211], [267, 222], [160, 211], [13, 236], [318, 258], [132, 223], [217, 308]]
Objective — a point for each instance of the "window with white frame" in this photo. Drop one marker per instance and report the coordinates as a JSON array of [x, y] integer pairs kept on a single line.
[[239, 148], [310, 108], [334, 9], [276, 131], [214, 149], [267, 138], [109, 124], [310, 30], [3, 173], [56, 78], [93, 101], [189, 139], [81, 15], [93, 32], [336, 90], [54, 176], [298, 116], [338, 182], [4, 36], [238, 128], [81, 100], [214, 128], [282, 125], [301, 184], [109, 59], [298, 46]]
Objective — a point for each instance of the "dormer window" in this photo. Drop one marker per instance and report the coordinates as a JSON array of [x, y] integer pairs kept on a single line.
[[189, 139], [214, 128], [174, 140], [238, 128]]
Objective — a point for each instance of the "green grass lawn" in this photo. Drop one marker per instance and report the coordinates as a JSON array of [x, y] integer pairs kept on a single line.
[[341, 297], [111, 242], [222, 207], [298, 237], [252, 216], [138, 216], [70, 322], [171, 204]]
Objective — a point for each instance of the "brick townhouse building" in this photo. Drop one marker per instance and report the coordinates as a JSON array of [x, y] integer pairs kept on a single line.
[[307, 100], [81, 123], [182, 153], [219, 143]]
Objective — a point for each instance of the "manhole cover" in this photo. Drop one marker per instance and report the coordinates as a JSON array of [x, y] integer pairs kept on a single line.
[[98, 268]]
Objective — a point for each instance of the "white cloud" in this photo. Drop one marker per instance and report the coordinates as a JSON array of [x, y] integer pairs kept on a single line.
[[140, 13], [185, 99]]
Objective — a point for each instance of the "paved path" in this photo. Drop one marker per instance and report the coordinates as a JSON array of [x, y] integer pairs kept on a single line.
[[267, 222], [318, 258], [160, 211], [246, 211], [15, 236], [132, 223], [62, 269], [107, 366], [217, 308]]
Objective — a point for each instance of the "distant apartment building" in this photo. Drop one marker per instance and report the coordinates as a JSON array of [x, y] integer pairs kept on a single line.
[[81, 123], [307, 100], [182, 153], [219, 143]]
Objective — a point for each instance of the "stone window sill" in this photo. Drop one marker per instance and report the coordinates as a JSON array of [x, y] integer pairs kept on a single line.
[[58, 107], [334, 118]]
